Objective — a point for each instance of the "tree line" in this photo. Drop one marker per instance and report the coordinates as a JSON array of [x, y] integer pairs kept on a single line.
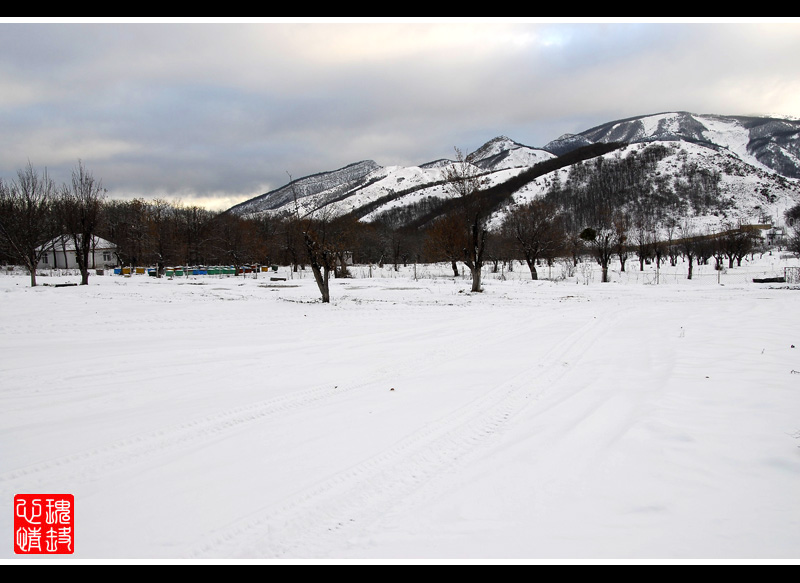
[[605, 208], [34, 210]]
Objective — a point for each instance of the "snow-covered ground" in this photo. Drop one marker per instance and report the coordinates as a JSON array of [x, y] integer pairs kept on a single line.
[[227, 418]]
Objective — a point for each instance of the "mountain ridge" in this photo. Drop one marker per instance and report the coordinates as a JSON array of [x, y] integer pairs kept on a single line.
[[768, 149]]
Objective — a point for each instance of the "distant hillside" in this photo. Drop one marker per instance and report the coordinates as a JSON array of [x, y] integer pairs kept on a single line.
[[323, 188], [665, 181], [713, 167], [761, 141]]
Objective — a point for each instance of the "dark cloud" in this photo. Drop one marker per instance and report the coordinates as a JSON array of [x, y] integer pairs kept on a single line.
[[207, 110]]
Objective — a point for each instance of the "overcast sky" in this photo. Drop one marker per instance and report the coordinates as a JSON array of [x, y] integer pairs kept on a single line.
[[216, 112]]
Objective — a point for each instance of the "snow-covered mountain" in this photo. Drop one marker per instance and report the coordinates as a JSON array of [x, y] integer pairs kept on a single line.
[[567, 143], [756, 160], [739, 192], [369, 189], [502, 153], [761, 141], [325, 187]]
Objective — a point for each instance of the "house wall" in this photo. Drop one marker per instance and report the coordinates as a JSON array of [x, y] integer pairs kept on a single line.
[[58, 259]]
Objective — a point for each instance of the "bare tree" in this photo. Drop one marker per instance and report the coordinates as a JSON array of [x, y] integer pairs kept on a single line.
[[622, 226], [80, 205], [602, 239], [688, 244], [537, 230], [794, 240], [445, 240], [500, 248], [574, 245], [345, 232], [231, 240], [317, 238], [393, 239], [792, 217], [643, 231], [125, 223], [464, 181], [265, 233], [162, 225], [27, 217], [672, 248], [601, 242], [644, 238], [292, 242], [319, 242], [738, 242], [195, 234]]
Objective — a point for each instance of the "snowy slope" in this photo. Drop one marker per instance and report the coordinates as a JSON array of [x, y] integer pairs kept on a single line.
[[393, 181], [311, 191], [438, 190], [767, 143], [503, 153], [391, 186], [751, 193]]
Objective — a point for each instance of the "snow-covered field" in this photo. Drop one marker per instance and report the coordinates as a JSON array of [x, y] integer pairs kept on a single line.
[[230, 418]]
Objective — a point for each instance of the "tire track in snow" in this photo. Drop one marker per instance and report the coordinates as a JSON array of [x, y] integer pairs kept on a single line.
[[123, 453], [127, 452], [307, 525]]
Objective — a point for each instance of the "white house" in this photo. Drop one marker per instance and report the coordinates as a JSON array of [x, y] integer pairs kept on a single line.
[[60, 254], [776, 236]]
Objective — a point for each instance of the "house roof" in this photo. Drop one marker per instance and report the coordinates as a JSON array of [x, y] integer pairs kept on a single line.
[[65, 242]]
